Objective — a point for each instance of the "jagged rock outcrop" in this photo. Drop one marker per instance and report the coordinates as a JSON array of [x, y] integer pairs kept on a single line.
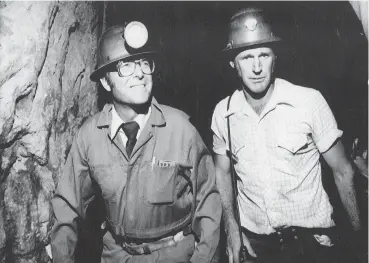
[[47, 52]]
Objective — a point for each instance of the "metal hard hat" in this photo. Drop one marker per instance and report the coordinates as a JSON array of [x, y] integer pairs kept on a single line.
[[120, 42], [248, 28]]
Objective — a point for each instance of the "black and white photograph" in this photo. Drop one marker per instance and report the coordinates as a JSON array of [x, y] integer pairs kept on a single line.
[[184, 131]]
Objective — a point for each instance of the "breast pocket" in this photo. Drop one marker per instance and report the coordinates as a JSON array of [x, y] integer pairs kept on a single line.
[[292, 145], [167, 184]]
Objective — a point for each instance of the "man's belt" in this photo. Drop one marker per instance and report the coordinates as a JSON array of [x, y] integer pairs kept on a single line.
[[145, 248], [148, 248], [290, 234]]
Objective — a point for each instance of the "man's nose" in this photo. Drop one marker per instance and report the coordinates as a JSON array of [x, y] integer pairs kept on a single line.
[[138, 71], [256, 66]]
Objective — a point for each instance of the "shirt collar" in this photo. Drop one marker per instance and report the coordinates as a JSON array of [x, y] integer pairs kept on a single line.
[[282, 94], [157, 117], [116, 121], [237, 103]]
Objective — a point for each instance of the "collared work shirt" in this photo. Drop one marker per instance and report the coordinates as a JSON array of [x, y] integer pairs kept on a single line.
[[167, 183], [116, 123], [277, 156]]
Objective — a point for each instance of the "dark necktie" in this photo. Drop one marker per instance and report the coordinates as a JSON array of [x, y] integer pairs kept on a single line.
[[130, 129]]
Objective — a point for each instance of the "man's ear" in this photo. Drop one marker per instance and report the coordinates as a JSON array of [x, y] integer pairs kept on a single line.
[[231, 63], [274, 62], [105, 84]]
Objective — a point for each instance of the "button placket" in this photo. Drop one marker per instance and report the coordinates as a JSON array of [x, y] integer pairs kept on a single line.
[[295, 234], [280, 235]]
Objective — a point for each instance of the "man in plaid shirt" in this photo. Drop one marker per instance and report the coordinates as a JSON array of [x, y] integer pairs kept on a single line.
[[278, 133]]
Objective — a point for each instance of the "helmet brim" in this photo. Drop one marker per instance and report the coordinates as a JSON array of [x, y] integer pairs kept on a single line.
[[231, 51], [98, 73]]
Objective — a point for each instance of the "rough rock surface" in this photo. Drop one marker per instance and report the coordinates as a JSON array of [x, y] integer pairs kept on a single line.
[[47, 52]]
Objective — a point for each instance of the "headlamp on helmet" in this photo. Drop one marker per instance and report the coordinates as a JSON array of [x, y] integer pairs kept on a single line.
[[135, 34]]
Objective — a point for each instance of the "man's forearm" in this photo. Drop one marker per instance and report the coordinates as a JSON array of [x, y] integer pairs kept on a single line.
[[224, 184], [346, 190]]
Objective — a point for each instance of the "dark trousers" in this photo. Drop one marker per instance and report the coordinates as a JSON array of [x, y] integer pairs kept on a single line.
[[296, 245]]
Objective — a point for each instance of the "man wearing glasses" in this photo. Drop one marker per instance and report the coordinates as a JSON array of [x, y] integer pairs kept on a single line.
[[146, 162]]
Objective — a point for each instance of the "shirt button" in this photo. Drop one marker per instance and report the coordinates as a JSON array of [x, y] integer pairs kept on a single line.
[[296, 237], [281, 240], [279, 233], [293, 230]]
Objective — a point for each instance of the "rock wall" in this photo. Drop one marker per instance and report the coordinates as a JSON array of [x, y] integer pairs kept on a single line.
[[47, 52]]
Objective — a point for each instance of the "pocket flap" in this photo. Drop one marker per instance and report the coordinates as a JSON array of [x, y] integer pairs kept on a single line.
[[293, 142]]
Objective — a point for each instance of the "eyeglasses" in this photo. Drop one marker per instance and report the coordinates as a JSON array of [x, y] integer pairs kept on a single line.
[[126, 69]]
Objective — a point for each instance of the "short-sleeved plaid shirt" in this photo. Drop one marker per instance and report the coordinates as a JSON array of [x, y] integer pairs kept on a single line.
[[278, 156]]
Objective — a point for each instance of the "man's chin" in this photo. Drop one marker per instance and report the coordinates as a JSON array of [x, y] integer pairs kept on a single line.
[[142, 102], [256, 91]]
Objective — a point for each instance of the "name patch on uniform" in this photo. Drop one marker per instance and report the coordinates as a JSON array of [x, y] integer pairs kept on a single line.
[[162, 163]]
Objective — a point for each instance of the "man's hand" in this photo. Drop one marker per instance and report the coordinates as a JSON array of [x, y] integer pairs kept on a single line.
[[234, 244]]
